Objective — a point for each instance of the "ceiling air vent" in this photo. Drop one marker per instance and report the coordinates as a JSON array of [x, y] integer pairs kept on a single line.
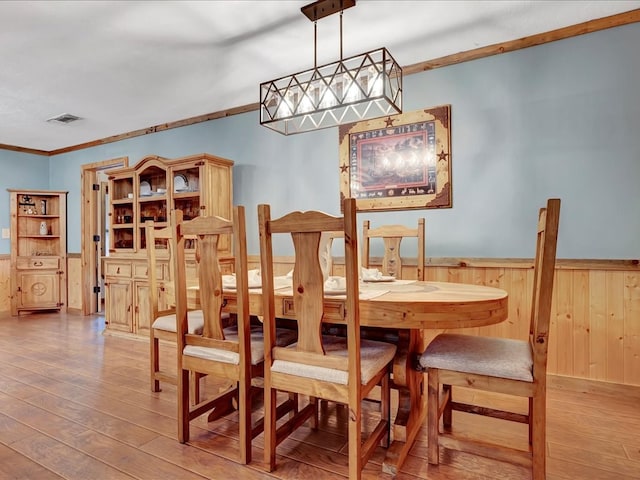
[[64, 118]]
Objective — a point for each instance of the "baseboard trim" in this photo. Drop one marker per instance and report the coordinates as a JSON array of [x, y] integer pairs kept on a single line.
[[131, 336], [584, 385]]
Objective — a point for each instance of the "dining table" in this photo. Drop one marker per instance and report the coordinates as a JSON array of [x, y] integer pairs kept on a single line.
[[408, 308]]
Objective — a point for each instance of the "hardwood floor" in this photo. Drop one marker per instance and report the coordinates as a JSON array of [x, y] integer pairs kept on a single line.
[[76, 404]]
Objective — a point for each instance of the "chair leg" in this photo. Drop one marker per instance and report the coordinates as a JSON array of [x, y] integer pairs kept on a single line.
[[385, 407], [154, 361], [294, 399], [316, 409], [183, 405], [538, 445], [433, 405], [355, 441], [244, 413], [530, 420], [270, 428], [194, 387], [447, 412]]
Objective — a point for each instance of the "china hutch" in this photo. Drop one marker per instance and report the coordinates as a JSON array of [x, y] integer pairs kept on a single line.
[[198, 185], [38, 250]]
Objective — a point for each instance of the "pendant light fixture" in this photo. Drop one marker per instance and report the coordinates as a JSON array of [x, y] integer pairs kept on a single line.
[[351, 89]]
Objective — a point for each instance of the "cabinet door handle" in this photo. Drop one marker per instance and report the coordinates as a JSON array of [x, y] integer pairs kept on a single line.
[[118, 271], [37, 264]]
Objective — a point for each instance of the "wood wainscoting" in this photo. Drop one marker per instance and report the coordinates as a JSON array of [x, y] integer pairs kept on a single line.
[[5, 283], [595, 322], [74, 280], [595, 326]]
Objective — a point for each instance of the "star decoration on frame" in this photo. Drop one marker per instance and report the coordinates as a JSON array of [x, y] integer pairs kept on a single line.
[[389, 121], [442, 155], [344, 168]]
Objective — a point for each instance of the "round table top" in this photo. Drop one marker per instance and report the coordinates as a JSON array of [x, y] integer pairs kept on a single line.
[[433, 305], [411, 304]]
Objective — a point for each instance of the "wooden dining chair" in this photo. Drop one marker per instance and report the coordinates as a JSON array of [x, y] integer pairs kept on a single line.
[[232, 353], [163, 322], [506, 366], [334, 368], [392, 236]]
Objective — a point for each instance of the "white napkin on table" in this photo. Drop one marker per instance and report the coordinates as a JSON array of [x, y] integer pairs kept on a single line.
[[335, 284], [371, 274], [255, 280], [229, 281]]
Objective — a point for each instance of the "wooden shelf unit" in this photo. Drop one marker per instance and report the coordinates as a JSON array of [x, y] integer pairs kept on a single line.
[[198, 185], [38, 250]]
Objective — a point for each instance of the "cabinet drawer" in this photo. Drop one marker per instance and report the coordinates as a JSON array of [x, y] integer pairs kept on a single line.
[[28, 263], [141, 270], [118, 270], [333, 311]]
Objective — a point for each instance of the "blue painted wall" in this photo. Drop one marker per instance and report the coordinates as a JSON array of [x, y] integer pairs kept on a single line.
[[19, 170], [556, 120]]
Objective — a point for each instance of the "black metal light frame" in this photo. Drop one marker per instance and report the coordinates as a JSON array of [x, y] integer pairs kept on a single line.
[[349, 90]]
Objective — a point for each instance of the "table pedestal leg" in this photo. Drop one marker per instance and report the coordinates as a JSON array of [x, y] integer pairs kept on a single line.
[[411, 400]]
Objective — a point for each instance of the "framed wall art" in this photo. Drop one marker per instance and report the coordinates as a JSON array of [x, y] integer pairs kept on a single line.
[[398, 162]]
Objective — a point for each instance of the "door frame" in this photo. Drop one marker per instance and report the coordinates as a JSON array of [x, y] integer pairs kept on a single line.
[[89, 225]]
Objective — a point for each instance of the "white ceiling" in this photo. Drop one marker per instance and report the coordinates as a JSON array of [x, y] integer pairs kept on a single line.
[[129, 65]]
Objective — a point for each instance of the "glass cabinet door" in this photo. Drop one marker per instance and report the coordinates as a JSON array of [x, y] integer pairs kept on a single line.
[[122, 212], [152, 202], [186, 191]]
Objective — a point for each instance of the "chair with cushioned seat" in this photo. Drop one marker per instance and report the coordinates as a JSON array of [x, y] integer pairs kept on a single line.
[[320, 366], [505, 366], [163, 322], [232, 353]]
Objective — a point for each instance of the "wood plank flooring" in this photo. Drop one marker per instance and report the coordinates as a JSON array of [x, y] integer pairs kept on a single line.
[[76, 404]]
